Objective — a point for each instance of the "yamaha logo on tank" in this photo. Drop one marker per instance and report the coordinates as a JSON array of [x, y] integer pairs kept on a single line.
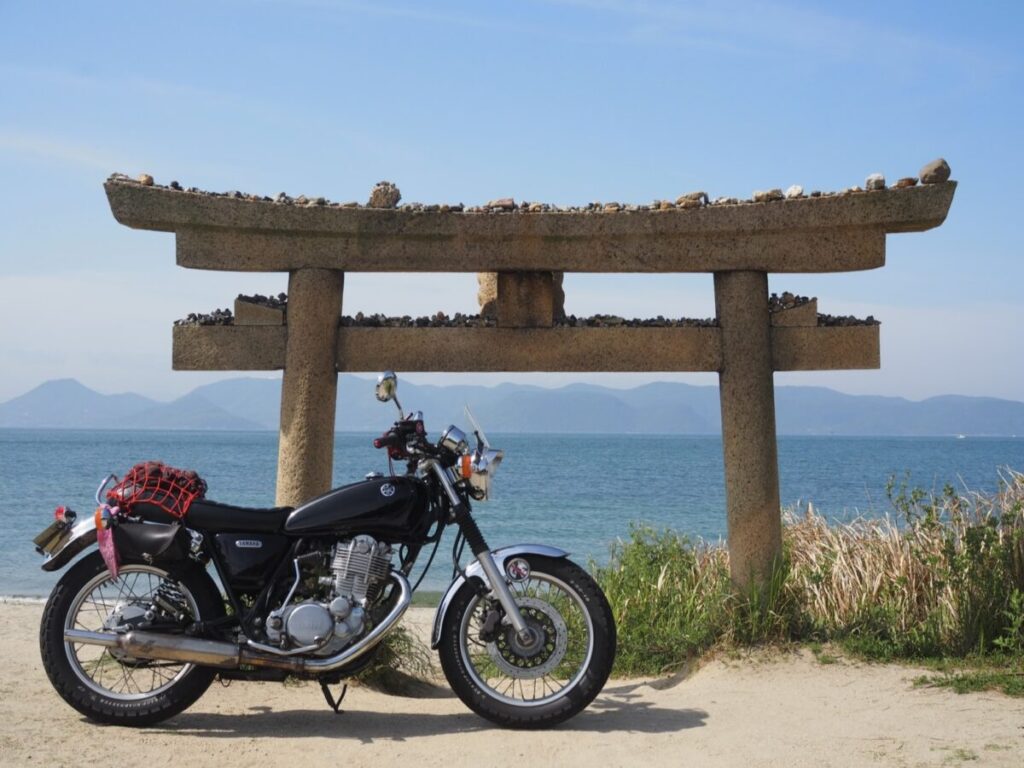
[[387, 490]]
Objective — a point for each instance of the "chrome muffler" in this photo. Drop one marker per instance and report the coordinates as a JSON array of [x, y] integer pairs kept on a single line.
[[214, 653]]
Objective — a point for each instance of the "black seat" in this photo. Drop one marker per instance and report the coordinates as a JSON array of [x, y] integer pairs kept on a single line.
[[216, 517]]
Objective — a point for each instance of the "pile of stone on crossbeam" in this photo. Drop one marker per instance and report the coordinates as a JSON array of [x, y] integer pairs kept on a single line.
[[386, 196]]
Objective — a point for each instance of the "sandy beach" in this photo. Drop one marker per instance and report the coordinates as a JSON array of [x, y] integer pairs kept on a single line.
[[778, 710]]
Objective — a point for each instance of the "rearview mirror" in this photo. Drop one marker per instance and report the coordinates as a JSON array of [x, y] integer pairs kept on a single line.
[[387, 386], [387, 389]]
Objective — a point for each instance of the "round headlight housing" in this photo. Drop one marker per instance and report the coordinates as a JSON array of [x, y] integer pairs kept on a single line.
[[454, 439]]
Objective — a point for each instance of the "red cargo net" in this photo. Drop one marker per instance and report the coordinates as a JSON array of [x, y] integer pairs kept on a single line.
[[152, 482]]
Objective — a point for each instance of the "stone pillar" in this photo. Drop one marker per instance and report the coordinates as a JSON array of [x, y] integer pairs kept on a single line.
[[309, 386], [747, 395]]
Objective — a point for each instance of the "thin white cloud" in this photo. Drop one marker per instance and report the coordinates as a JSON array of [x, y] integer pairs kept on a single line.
[[122, 83], [422, 12], [56, 149], [758, 27]]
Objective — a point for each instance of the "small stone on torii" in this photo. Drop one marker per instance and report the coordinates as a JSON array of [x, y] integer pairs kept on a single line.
[[384, 195]]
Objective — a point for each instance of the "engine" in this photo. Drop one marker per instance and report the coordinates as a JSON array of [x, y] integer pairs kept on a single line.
[[359, 569]]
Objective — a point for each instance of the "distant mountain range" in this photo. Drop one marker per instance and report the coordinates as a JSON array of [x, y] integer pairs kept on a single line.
[[665, 408]]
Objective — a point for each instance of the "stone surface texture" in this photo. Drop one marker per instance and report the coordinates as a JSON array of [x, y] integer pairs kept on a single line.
[[747, 394], [487, 294], [384, 195], [529, 349], [823, 234], [309, 386], [228, 347], [525, 300], [562, 348], [802, 314], [935, 172], [825, 348], [251, 313], [521, 299], [558, 296]]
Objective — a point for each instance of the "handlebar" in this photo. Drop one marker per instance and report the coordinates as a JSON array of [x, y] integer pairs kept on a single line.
[[387, 440], [405, 438]]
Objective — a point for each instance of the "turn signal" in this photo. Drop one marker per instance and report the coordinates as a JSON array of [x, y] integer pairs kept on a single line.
[[466, 466], [65, 516], [104, 517]]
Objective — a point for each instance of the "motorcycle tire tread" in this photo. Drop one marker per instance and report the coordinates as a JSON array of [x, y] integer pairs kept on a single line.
[[140, 713], [547, 715]]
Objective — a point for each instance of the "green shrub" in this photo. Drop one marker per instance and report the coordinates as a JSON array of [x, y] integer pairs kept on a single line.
[[670, 597], [945, 578]]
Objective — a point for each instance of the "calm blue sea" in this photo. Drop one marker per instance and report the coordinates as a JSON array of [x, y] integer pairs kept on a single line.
[[580, 492]]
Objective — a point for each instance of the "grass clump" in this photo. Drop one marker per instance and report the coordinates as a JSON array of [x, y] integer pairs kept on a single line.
[[670, 596], [991, 672], [402, 666], [943, 578]]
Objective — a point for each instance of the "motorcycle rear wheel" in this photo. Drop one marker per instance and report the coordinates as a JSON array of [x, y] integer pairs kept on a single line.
[[542, 683], [107, 686]]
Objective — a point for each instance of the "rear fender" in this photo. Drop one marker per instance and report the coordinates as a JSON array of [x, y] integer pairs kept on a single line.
[[474, 570], [83, 536]]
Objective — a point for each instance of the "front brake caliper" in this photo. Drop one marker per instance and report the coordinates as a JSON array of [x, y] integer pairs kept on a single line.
[[492, 622]]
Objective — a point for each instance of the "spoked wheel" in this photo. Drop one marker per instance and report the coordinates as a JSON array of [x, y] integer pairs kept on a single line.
[[539, 680], [106, 684]]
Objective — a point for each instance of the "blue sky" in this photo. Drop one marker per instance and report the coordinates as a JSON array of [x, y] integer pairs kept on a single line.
[[565, 102]]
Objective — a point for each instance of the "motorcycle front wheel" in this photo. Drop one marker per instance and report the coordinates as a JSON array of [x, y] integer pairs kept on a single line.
[[543, 680], [106, 685]]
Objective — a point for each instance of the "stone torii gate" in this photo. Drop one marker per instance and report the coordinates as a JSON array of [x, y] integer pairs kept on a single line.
[[523, 251]]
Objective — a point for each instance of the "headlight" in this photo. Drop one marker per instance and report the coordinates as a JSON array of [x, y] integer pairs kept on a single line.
[[483, 466], [454, 439]]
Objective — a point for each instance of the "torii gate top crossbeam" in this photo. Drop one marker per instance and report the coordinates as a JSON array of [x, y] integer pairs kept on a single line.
[[834, 233]]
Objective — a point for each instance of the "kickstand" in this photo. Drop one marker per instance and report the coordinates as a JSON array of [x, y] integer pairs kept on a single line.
[[335, 703]]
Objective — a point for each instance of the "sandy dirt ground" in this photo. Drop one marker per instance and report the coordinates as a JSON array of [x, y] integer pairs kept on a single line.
[[783, 710]]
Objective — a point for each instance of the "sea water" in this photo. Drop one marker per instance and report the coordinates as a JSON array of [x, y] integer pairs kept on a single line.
[[578, 492]]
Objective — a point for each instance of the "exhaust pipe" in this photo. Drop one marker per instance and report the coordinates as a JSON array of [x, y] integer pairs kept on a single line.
[[214, 653]]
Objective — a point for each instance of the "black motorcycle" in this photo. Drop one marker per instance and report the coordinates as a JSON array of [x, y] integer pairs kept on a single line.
[[137, 630]]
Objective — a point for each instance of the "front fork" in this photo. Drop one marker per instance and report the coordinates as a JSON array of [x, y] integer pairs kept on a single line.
[[479, 548]]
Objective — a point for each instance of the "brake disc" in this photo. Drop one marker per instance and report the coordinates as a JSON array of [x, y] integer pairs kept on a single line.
[[538, 658]]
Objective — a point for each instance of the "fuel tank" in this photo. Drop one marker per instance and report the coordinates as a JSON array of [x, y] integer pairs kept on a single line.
[[391, 508]]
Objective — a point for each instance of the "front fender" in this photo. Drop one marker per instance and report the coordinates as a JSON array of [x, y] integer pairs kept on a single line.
[[83, 535], [475, 570]]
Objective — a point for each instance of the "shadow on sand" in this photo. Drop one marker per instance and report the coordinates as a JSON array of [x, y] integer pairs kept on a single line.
[[616, 710]]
